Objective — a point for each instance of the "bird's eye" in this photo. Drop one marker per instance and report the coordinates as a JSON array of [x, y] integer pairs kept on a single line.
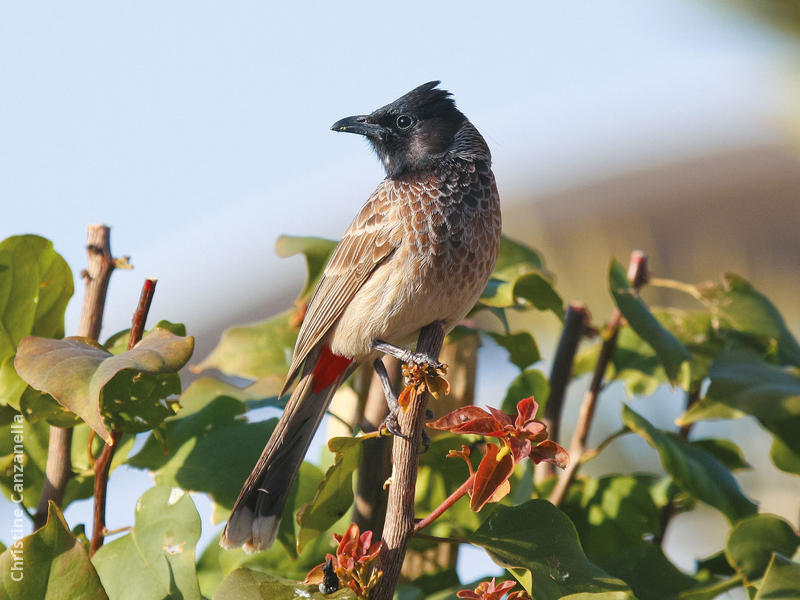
[[404, 122]]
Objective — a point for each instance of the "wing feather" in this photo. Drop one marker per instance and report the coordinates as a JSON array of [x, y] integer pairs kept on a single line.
[[370, 240]]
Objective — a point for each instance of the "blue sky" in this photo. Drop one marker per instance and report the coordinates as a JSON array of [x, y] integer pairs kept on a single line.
[[200, 131]]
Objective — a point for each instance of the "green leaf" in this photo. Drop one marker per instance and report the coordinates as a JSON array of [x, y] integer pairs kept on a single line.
[[49, 564], [539, 545], [215, 563], [156, 559], [695, 330], [708, 409], [617, 520], [25, 444], [743, 383], [528, 383], [752, 542], [784, 456], [309, 480], [737, 305], [315, 250], [37, 406], [781, 580], [118, 343], [334, 496], [633, 362], [35, 287], [728, 453], [122, 392], [522, 348], [716, 564], [261, 349], [539, 291], [7, 414], [11, 385], [712, 590], [530, 287], [81, 484], [669, 350], [636, 364], [246, 584], [696, 470], [515, 258], [185, 451], [519, 280], [23, 452]]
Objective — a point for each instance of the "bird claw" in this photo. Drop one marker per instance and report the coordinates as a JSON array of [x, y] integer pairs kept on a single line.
[[392, 425], [421, 359]]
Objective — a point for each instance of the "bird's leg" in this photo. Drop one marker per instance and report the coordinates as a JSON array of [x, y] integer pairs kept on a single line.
[[406, 356], [391, 421]]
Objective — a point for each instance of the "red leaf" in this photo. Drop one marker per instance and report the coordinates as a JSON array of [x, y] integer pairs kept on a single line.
[[526, 411], [520, 448], [502, 418], [534, 430], [491, 474], [469, 419], [549, 451]]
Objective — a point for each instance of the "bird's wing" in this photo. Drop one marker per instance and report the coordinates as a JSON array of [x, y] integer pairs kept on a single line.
[[370, 239]]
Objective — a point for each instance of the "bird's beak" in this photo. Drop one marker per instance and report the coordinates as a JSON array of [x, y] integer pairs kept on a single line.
[[359, 124]]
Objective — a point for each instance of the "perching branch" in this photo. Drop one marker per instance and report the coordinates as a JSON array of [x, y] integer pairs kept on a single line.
[[637, 273], [576, 323], [461, 358], [102, 465], [399, 523], [100, 266], [370, 501]]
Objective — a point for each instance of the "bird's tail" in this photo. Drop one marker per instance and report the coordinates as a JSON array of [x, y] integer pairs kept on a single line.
[[257, 513]]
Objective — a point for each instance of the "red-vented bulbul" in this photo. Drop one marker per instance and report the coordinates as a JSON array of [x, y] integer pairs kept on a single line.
[[420, 251]]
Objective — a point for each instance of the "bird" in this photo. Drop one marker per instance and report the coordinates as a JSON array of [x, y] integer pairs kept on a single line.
[[420, 251]]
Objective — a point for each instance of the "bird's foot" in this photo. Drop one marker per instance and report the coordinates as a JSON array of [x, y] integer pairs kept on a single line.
[[407, 357], [423, 360], [392, 425]]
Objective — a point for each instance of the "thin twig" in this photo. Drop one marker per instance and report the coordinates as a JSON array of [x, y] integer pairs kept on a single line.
[[590, 454], [637, 273], [102, 465], [575, 325], [59, 462], [399, 523], [461, 358], [449, 501], [140, 316]]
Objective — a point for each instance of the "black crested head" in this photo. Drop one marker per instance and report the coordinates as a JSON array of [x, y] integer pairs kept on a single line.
[[413, 133]]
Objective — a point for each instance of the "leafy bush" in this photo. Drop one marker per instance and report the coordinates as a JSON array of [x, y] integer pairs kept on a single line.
[[558, 534]]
